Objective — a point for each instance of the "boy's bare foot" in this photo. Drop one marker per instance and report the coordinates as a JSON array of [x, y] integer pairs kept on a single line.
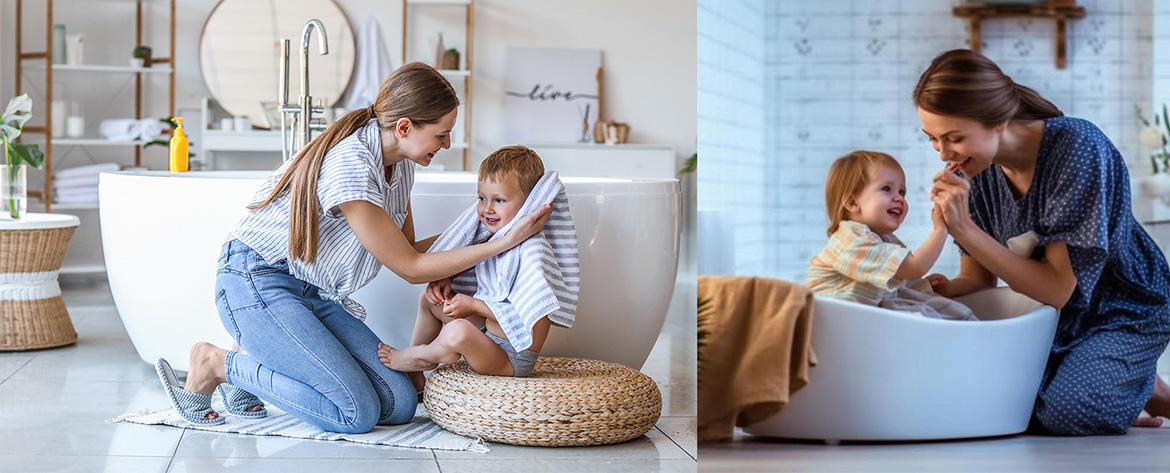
[[1157, 406], [397, 360]]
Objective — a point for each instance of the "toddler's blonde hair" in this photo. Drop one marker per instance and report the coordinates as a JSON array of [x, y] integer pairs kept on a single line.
[[517, 161], [848, 175]]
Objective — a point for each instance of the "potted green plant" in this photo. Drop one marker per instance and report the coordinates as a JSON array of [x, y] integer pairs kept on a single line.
[[691, 165], [141, 56], [451, 59], [13, 179]]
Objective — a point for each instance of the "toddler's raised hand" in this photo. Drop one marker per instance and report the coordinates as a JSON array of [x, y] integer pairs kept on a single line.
[[459, 306], [936, 217], [940, 284]]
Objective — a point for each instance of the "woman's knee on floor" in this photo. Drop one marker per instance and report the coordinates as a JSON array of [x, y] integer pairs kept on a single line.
[[1078, 412]]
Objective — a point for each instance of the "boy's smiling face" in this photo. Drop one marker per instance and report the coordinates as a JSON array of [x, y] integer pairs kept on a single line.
[[500, 199]]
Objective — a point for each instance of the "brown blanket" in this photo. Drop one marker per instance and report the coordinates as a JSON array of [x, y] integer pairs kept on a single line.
[[757, 351]]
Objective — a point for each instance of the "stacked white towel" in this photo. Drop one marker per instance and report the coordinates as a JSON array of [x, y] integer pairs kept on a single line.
[[79, 185], [537, 278], [130, 129]]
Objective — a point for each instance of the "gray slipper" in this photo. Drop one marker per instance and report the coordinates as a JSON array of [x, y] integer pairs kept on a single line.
[[237, 401], [194, 407]]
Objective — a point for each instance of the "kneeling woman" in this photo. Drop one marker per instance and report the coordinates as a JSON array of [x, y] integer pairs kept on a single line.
[[319, 229]]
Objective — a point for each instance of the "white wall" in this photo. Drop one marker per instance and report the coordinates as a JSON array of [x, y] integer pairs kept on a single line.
[[732, 92]]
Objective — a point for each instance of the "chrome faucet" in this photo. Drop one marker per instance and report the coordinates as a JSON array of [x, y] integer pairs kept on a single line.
[[303, 111]]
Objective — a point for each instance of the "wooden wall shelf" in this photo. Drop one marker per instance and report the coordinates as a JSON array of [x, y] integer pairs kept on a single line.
[[1060, 10]]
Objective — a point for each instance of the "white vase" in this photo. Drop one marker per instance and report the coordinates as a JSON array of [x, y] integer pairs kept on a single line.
[[1157, 186], [13, 191]]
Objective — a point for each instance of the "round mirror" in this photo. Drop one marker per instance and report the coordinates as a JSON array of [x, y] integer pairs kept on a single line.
[[239, 52]]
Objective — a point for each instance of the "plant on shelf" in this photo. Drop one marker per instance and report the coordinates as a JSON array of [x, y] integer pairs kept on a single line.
[[1154, 137], [451, 59], [143, 53], [14, 191]]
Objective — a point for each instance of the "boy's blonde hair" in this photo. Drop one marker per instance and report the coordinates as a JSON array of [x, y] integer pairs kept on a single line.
[[847, 176], [515, 161]]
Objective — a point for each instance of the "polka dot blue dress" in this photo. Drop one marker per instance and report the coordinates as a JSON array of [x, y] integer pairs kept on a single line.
[[1117, 322]]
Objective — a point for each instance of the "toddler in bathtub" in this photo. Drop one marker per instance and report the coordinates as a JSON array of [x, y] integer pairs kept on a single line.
[[863, 261], [518, 294]]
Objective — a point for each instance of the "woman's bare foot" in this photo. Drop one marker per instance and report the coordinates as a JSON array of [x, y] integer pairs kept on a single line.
[[1157, 406], [206, 368], [399, 359]]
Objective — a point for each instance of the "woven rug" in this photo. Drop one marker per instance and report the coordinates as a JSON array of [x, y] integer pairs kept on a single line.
[[420, 432]]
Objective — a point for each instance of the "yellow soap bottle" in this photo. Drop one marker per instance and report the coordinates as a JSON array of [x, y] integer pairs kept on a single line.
[[179, 147]]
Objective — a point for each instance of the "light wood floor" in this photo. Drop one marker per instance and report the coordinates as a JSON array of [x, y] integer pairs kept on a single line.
[[1141, 450]]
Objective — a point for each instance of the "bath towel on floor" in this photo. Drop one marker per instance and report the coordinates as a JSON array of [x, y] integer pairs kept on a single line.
[[758, 351], [537, 278], [420, 432]]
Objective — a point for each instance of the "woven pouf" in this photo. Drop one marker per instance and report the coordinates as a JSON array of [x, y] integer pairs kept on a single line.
[[32, 312], [565, 402]]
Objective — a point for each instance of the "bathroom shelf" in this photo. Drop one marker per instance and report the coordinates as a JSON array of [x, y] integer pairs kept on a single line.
[[96, 68], [76, 206], [43, 61], [1060, 10], [465, 75], [97, 142]]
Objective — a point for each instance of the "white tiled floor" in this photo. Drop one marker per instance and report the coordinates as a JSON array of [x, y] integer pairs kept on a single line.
[[54, 404]]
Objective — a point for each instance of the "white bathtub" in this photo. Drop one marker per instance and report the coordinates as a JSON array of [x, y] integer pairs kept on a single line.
[[162, 233], [886, 375]]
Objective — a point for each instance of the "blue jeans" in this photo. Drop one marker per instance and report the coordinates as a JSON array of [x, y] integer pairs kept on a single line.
[[304, 354]]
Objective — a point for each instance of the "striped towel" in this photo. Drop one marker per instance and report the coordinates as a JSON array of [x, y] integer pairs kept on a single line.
[[537, 278], [420, 432]]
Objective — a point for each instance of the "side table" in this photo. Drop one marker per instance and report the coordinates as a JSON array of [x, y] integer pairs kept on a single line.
[[32, 311]]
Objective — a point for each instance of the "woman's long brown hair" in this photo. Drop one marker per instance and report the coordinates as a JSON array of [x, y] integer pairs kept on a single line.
[[415, 91], [963, 83]]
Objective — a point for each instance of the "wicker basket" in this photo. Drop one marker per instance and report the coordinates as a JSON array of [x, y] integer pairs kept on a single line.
[[36, 323], [564, 402]]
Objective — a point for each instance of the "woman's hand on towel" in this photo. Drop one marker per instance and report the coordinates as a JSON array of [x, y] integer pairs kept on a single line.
[[950, 194], [460, 306], [438, 292], [529, 225]]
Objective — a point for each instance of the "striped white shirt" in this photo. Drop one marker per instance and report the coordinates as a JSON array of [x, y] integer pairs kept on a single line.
[[352, 170]]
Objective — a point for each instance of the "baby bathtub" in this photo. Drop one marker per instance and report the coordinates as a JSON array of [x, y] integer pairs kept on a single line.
[[886, 375]]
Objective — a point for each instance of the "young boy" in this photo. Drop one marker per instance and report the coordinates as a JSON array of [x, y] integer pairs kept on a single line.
[[449, 323]]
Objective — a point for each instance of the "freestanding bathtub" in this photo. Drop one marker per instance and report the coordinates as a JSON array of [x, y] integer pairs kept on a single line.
[[886, 375], [162, 233]]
